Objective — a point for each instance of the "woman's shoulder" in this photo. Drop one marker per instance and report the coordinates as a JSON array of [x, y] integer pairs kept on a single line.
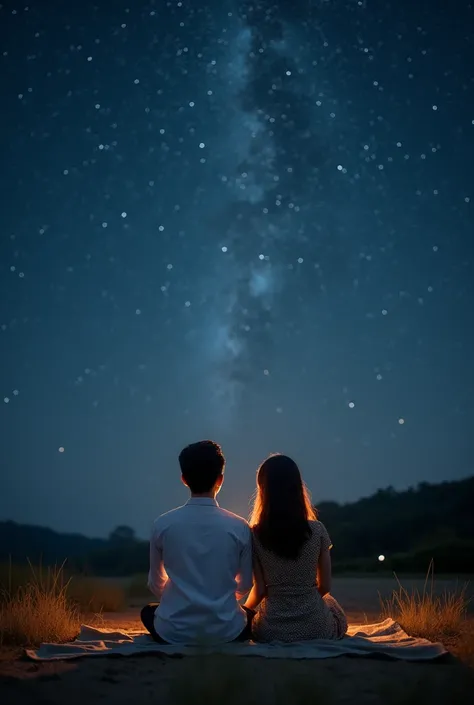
[[320, 532], [317, 527]]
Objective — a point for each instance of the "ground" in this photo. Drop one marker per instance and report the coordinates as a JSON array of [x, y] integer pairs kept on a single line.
[[185, 681]]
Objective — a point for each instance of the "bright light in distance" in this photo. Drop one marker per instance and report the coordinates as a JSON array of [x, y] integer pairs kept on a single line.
[[381, 558]]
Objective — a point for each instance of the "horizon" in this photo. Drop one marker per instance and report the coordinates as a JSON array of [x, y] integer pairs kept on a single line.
[[413, 487]]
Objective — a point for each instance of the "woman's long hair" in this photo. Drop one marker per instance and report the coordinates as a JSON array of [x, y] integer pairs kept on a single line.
[[282, 507]]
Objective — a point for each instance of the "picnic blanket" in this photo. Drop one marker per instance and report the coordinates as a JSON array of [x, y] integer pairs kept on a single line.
[[385, 638]]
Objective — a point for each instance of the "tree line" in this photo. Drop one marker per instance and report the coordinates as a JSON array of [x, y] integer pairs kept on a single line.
[[409, 528]]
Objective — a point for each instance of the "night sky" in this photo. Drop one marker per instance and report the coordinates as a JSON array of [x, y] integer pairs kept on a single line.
[[245, 221]]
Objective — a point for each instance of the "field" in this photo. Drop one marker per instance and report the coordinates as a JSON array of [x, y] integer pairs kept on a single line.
[[156, 679]]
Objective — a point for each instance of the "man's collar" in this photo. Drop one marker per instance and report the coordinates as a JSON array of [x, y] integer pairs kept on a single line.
[[204, 501]]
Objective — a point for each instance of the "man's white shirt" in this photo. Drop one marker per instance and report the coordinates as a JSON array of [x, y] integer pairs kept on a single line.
[[200, 563]]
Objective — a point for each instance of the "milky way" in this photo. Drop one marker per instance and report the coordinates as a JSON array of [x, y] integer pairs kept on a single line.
[[278, 176]]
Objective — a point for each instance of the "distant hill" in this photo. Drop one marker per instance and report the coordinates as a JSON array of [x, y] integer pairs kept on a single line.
[[21, 542], [121, 554], [408, 528]]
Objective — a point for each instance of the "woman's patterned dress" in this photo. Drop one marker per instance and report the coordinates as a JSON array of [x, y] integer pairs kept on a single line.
[[293, 609]]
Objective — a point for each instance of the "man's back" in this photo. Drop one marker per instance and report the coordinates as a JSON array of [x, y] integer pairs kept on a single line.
[[200, 556]]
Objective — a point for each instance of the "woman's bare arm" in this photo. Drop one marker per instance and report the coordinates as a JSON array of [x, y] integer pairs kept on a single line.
[[324, 573]]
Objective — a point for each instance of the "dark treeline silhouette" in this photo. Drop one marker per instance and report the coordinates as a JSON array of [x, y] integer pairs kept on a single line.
[[122, 553], [409, 528]]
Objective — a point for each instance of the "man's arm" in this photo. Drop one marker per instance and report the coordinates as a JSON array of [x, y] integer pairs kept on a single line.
[[245, 576], [157, 576]]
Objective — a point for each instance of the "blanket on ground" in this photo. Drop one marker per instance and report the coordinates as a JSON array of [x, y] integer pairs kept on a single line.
[[385, 638]]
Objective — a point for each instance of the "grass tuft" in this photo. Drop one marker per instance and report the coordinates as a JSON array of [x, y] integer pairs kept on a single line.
[[428, 614], [86, 593], [43, 604], [39, 611]]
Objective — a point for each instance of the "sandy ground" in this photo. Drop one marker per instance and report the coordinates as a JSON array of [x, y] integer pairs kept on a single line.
[[143, 680], [156, 679]]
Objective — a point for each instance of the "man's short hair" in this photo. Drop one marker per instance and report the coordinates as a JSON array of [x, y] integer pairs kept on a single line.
[[201, 464]]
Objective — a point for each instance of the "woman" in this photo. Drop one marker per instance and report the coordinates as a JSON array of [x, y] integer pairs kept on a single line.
[[292, 565]]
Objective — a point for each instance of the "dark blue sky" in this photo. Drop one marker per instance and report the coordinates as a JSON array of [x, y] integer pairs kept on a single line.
[[239, 221]]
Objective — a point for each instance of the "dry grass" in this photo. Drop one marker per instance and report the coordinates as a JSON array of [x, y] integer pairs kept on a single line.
[[428, 614], [87, 594], [42, 604], [38, 611]]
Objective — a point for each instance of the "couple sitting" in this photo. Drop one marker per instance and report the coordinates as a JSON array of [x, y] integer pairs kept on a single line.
[[204, 560]]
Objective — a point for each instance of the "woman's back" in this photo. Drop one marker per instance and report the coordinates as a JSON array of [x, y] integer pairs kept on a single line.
[[293, 609], [301, 572]]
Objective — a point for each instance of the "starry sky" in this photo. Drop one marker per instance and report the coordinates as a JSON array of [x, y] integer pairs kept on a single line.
[[248, 221]]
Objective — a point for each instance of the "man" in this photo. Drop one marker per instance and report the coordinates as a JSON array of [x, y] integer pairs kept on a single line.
[[200, 560]]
